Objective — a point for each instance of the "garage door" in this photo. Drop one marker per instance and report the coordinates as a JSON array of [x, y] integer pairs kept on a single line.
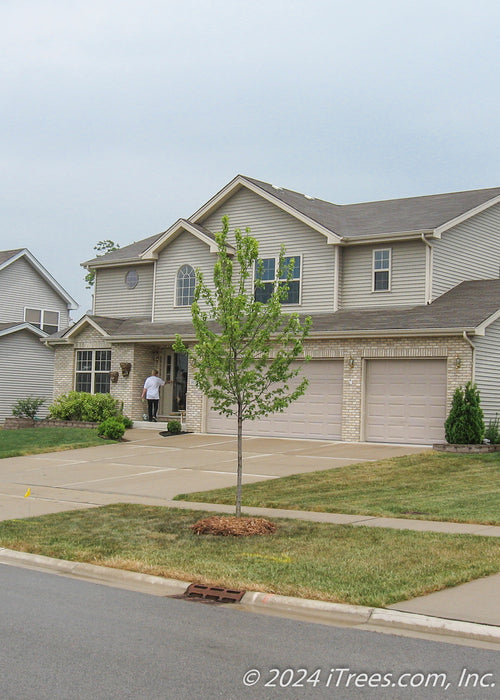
[[405, 401], [316, 414]]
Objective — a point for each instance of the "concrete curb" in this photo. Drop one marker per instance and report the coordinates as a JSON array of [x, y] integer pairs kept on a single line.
[[317, 610], [376, 617], [104, 574]]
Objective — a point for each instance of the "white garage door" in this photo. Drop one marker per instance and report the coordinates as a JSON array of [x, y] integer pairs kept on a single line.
[[405, 401], [316, 414]]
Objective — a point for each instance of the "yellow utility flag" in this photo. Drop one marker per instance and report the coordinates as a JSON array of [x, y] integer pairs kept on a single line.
[[28, 493]]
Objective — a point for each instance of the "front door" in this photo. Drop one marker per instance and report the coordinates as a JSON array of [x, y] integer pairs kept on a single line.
[[167, 374], [180, 382], [173, 370]]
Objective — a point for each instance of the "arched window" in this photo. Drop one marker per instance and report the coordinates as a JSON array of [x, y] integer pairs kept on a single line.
[[186, 280]]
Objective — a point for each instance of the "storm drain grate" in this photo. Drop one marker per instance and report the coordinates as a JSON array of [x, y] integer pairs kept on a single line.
[[216, 594]]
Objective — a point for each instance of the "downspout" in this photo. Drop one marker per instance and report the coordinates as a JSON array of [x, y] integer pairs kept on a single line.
[[336, 281], [153, 299], [93, 291], [428, 270], [468, 340]]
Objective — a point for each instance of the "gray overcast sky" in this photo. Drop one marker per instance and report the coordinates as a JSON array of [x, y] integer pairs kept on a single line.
[[120, 116]]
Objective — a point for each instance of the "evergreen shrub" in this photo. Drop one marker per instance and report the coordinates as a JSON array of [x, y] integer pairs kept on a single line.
[[465, 422], [174, 427]]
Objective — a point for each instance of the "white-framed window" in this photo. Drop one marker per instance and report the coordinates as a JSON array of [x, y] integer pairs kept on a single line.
[[92, 371], [47, 321], [185, 285], [382, 270], [267, 270]]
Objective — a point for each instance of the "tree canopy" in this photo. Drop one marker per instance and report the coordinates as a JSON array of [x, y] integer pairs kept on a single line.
[[245, 350]]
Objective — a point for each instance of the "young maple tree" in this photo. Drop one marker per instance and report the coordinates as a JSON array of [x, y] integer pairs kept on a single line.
[[245, 348]]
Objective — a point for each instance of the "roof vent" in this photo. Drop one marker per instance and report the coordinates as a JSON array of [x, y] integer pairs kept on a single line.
[[308, 196], [276, 187]]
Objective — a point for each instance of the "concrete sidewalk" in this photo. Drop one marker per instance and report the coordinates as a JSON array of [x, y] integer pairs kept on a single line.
[[152, 469]]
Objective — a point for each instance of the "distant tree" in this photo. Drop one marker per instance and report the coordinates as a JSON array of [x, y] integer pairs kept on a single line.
[[102, 247], [244, 348], [465, 422]]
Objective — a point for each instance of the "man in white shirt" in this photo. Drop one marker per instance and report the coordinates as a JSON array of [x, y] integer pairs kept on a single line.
[[151, 392]]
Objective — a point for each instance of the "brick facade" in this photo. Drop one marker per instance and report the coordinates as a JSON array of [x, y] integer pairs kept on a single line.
[[127, 389], [355, 353]]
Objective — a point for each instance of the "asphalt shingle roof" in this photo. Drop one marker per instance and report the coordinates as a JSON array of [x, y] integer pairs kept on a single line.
[[388, 216], [128, 252], [349, 221], [466, 306], [134, 250]]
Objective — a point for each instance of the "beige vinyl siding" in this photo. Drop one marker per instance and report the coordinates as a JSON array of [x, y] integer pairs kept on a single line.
[[26, 369], [273, 228], [468, 251], [23, 287], [407, 275], [186, 249], [487, 369], [113, 297]]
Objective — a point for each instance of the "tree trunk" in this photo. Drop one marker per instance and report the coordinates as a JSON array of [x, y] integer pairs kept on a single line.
[[239, 477]]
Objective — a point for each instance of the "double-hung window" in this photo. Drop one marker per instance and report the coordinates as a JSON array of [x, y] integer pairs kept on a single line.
[[47, 321], [267, 272], [92, 371], [382, 270]]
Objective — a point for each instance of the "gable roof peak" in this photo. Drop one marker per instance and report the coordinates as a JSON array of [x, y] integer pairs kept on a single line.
[[7, 257]]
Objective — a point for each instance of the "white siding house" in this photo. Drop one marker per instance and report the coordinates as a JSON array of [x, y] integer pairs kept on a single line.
[[35, 307]]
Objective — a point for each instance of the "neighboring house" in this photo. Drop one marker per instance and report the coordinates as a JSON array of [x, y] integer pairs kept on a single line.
[[33, 306], [404, 296]]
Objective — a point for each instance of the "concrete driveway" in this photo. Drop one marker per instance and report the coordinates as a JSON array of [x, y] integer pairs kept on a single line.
[[153, 469]]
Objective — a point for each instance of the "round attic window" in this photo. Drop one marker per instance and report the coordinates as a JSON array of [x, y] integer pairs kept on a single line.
[[131, 279]]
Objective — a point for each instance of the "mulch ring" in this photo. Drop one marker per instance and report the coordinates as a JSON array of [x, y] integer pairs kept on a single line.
[[231, 525]]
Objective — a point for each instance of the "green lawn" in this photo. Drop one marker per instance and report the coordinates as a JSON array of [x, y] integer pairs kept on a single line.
[[427, 486], [357, 565], [28, 441]]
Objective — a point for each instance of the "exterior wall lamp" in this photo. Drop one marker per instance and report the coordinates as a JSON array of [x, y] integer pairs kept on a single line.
[[458, 362], [350, 362]]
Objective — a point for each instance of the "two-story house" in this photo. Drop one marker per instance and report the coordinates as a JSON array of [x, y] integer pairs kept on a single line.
[[404, 296], [33, 305]]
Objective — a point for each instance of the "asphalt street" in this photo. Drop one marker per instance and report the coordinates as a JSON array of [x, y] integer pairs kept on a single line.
[[65, 639]]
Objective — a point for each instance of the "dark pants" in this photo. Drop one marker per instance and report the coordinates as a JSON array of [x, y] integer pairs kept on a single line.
[[152, 408]]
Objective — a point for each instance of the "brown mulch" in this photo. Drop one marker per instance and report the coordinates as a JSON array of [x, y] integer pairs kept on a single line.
[[231, 525]]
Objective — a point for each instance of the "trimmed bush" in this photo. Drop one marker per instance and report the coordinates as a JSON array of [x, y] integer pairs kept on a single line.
[[465, 422], [127, 422], [111, 428], [174, 427], [81, 406], [27, 408]]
